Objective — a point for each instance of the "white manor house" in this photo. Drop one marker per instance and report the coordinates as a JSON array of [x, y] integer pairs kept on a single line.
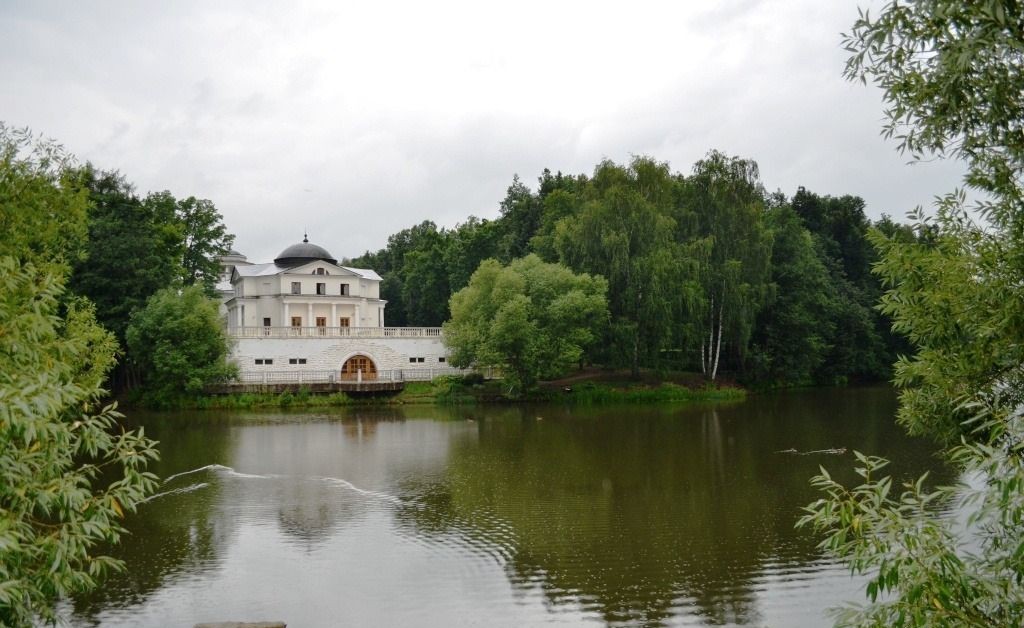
[[305, 319]]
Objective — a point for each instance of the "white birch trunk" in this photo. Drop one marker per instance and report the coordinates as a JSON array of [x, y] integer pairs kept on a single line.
[[718, 347], [705, 362]]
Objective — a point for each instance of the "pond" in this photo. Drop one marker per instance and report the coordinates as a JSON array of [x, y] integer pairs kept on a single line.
[[497, 516]]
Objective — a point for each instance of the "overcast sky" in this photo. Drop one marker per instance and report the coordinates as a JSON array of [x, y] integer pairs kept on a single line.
[[356, 120]]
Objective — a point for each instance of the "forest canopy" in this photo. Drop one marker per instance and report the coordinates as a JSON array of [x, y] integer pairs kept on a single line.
[[706, 270]]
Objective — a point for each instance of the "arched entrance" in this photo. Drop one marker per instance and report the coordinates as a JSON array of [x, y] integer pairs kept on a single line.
[[351, 368]]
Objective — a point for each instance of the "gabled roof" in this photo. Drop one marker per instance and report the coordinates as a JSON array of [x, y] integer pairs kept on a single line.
[[271, 269]]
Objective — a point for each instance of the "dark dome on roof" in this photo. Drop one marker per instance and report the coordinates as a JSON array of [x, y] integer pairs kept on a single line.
[[302, 253]]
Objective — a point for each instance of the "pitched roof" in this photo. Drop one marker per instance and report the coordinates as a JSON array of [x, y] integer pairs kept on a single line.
[[266, 270]]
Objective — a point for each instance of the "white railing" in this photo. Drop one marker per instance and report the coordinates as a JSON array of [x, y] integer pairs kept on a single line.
[[334, 332], [332, 377]]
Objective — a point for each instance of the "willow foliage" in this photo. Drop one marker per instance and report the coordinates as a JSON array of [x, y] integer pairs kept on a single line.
[[952, 73]]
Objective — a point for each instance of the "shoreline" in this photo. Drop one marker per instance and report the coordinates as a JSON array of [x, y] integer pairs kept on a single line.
[[452, 391]]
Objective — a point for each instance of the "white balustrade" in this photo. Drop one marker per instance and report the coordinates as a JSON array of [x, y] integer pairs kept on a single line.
[[334, 332]]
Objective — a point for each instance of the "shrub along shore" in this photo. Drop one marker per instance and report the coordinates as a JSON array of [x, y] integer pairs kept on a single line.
[[455, 390]]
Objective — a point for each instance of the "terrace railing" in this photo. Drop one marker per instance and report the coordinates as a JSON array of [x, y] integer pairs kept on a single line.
[[332, 377], [334, 332]]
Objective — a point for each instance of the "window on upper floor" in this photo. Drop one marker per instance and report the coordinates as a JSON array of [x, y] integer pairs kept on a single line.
[[296, 287], [344, 289], [321, 288], [320, 271]]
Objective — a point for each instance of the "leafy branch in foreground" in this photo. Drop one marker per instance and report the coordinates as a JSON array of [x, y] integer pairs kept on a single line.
[[925, 569], [68, 474], [951, 73]]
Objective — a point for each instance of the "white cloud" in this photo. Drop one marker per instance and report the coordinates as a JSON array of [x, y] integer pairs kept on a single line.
[[357, 120]]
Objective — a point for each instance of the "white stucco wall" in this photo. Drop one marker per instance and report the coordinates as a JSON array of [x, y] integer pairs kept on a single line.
[[331, 353]]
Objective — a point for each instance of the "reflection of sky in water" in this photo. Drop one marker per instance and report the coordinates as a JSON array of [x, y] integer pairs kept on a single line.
[[656, 516]]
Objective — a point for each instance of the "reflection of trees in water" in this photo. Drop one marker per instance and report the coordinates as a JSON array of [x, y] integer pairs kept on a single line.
[[641, 514]]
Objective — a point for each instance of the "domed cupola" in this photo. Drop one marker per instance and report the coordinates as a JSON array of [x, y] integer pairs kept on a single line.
[[302, 253]]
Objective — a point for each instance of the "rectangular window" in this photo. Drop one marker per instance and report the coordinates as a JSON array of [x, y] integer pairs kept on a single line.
[[321, 288], [296, 321], [320, 271], [442, 359], [343, 321], [266, 322], [419, 359], [259, 360], [344, 289], [267, 361], [296, 287], [293, 360], [410, 360], [302, 360]]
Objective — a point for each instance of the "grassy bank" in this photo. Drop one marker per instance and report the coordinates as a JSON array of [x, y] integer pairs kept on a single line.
[[453, 390]]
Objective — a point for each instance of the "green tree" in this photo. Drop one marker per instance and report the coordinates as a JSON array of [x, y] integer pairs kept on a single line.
[[179, 344], [793, 330], [951, 74], [531, 319], [726, 195], [520, 218], [67, 473], [135, 247], [205, 240], [623, 232], [469, 244], [414, 270]]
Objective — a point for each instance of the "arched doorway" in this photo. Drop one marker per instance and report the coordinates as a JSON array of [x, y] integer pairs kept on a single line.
[[352, 366]]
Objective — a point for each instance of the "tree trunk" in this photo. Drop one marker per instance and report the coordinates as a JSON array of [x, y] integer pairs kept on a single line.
[[718, 347]]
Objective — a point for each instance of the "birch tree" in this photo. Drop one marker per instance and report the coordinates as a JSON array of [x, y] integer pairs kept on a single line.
[[727, 198]]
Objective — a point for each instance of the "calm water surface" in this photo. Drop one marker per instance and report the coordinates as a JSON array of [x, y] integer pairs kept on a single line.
[[642, 515]]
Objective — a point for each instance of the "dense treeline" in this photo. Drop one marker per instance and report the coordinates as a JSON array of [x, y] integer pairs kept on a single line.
[[706, 271], [138, 252]]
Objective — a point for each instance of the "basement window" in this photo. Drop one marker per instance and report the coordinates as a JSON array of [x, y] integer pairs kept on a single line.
[[296, 360], [266, 361], [416, 359], [442, 359]]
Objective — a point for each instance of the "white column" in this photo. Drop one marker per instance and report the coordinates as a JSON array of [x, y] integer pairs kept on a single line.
[[241, 320], [334, 316], [309, 315], [357, 322], [287, 320]]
